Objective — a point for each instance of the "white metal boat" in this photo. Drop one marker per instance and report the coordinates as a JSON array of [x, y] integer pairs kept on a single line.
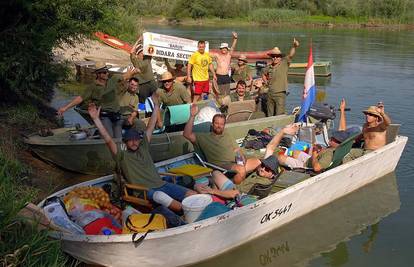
[[205, 239]]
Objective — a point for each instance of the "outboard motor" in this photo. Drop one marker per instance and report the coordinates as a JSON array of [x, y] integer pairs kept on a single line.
[[322, 112], [259, 66]]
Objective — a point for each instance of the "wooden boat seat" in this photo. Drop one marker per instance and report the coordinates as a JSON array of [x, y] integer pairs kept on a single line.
[[137, 194], [240, 111], [288, 178]]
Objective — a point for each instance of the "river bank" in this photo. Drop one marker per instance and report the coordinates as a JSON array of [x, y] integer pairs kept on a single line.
[[305, 22]]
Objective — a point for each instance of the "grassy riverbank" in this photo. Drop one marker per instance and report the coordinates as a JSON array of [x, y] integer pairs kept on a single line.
[[21, 244], [283, 18]]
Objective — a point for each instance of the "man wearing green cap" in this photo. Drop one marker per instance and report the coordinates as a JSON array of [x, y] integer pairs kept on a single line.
[[136, 164], [275, 75]]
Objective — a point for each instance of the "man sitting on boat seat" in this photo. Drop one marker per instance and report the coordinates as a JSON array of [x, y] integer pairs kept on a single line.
[[135, 161], [104, 93], [172, 93], [147, 83], [218, 146], [240, 94], [374, 130]]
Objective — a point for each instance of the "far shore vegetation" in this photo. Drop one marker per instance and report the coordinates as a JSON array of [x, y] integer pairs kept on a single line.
[[353, 13], [29, 74]]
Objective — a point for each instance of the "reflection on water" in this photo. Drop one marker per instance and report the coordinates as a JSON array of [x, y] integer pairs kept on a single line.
[[321, 231]]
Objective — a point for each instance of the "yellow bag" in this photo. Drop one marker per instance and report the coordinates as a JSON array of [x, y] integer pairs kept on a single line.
[[140, 223], [193, 170]]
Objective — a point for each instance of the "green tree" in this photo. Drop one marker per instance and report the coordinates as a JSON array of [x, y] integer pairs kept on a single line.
[[30, 30]]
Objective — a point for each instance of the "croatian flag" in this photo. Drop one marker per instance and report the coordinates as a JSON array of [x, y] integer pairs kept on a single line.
[[309, 90]]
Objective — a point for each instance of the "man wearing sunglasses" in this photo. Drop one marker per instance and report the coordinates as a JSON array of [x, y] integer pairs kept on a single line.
[[172, 93], [265, 171], [275, 75]]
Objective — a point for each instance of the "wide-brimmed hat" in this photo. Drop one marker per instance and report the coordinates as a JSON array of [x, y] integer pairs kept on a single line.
[[179, 62], [243, 58], [100, 66], [274, 51], [340, 136], [373, 111], [272, 163], [224, 45], [133, 134], [166, 76]]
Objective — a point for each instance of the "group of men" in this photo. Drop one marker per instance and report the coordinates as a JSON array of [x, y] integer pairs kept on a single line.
[[109, 98], [220, 149]]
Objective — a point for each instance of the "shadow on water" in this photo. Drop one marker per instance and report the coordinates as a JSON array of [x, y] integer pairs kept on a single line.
[[322, 233]]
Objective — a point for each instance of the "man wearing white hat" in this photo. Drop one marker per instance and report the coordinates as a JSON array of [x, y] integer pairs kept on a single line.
[[223, 65], [275, 75]]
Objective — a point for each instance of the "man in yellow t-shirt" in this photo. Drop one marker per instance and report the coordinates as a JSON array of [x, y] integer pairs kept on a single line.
[[198, 65]]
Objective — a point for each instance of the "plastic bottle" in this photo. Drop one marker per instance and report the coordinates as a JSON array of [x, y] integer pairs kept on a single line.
[[55, 211], [239, 159], [106, 231]]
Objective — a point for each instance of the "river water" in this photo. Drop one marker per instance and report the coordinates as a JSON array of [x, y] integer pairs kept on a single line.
[[374, 226]]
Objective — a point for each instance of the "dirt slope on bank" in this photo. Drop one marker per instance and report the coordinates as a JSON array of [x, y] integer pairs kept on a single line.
[[90, 49]]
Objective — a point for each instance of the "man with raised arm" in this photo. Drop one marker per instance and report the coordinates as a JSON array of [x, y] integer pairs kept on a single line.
[[147, 83], [198, 66], [374, 130], [275, 76], [223, 60], [104, 93], [265, 171], [218, 146], [136, 164]]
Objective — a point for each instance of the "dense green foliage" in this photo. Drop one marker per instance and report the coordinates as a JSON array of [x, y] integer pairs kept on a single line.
[[401, 11], [30, 30], [21, 244]]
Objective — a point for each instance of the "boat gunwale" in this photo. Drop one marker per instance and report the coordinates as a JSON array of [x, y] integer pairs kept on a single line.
[[219, 218], [37, 141]]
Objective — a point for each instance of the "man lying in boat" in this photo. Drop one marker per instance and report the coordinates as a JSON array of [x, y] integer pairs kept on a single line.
[[135, 161], [319, 158], [264, 173], [104, 93], [218, 146], [374, 130]]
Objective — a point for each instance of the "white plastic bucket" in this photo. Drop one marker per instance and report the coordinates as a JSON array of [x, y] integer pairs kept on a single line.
[[194, 205]]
